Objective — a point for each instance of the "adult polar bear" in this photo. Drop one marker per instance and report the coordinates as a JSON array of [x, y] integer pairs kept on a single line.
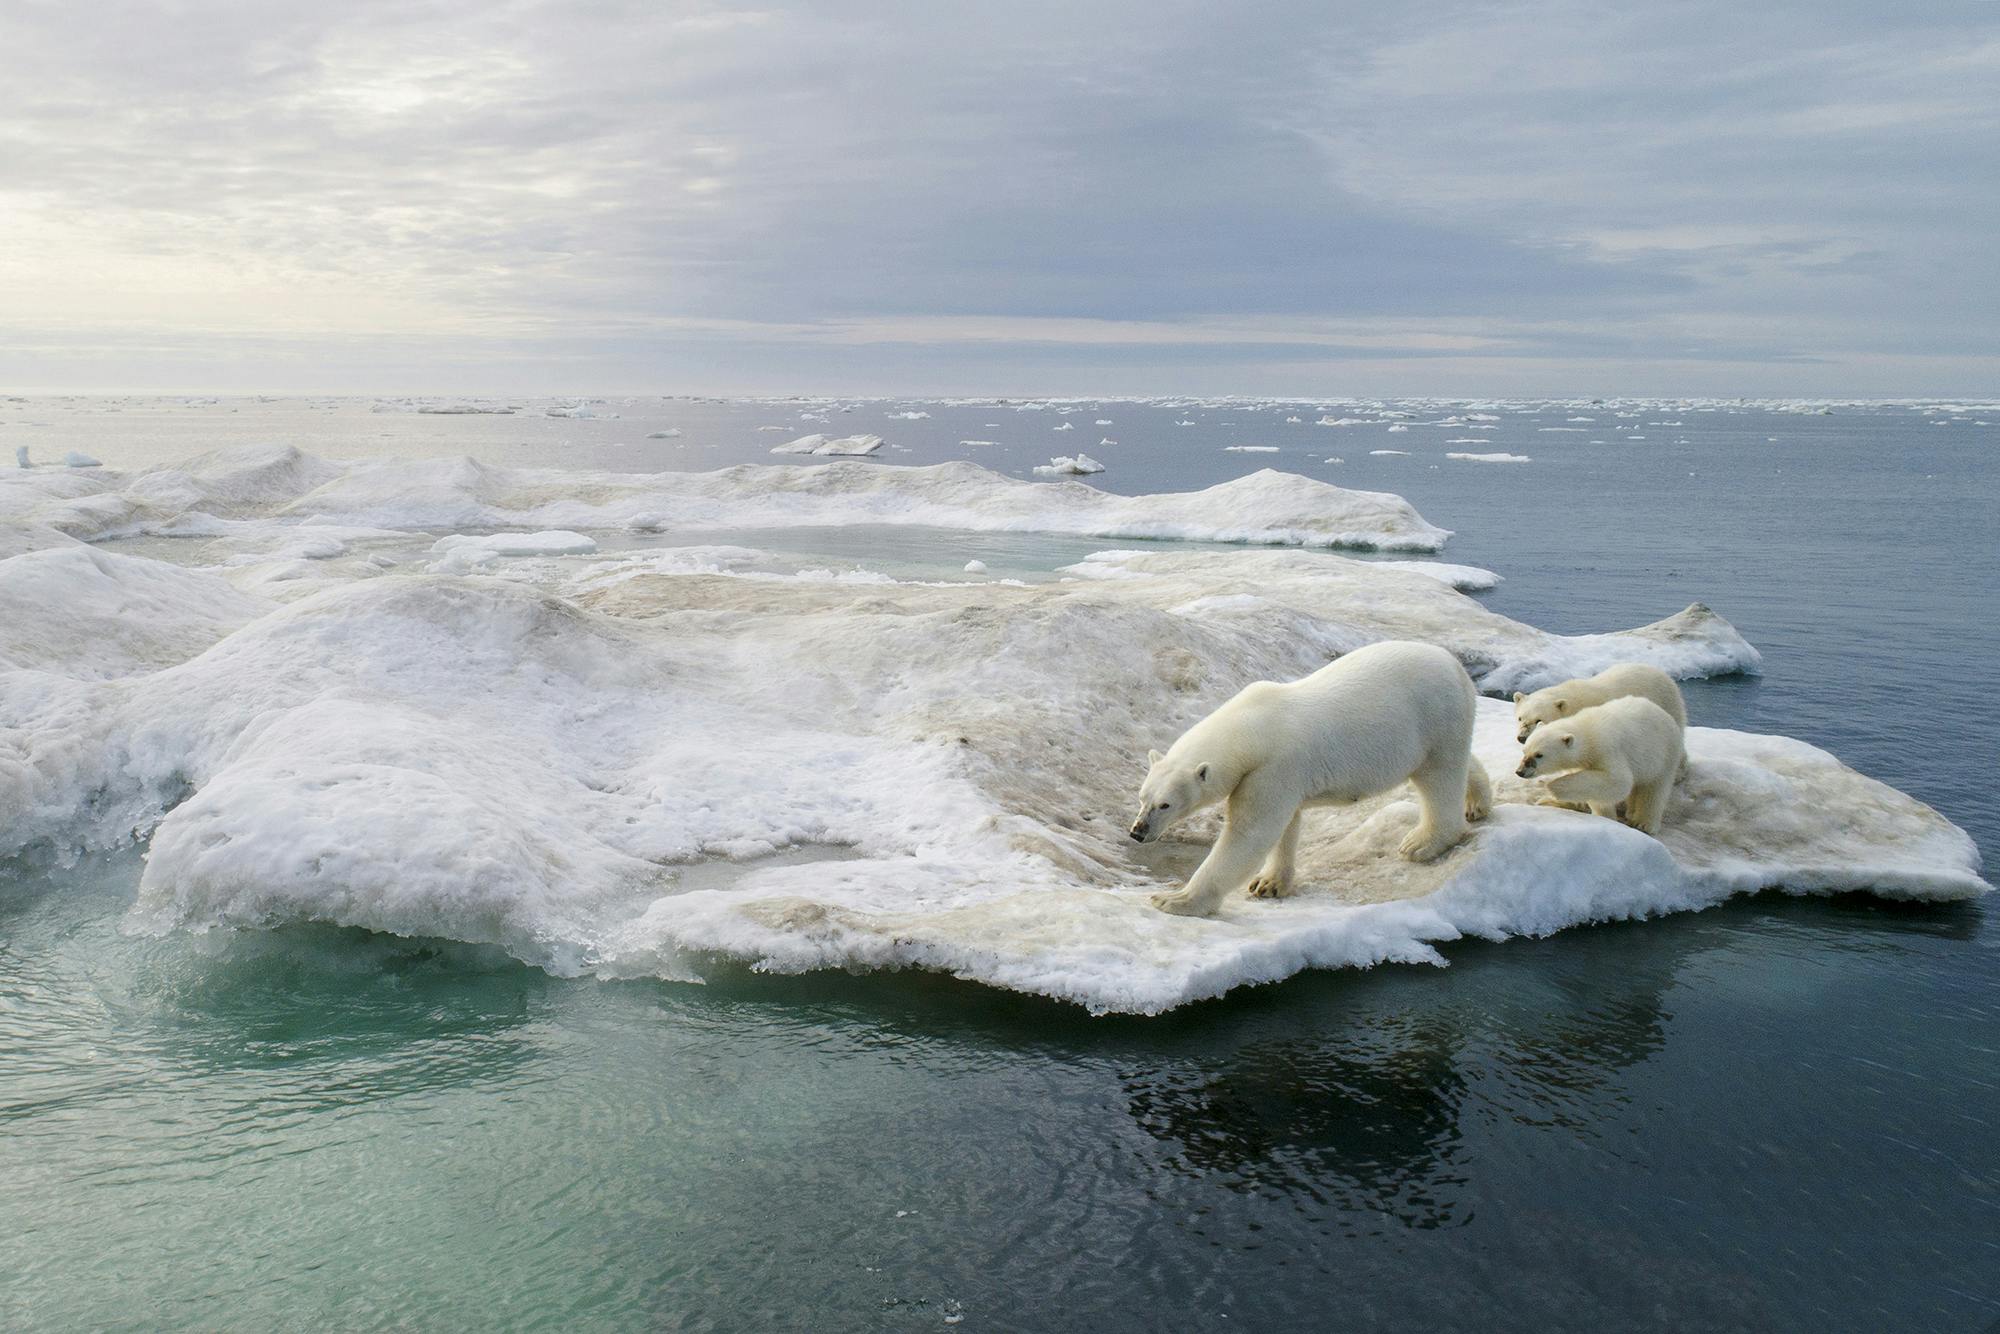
[[1381, 715]]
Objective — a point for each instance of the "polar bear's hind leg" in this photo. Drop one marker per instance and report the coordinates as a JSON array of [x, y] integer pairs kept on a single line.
[[1442, 790], [1478, 791], [1647, 805]]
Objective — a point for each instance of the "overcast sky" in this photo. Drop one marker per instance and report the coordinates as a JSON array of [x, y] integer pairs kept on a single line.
[[1091, 196]]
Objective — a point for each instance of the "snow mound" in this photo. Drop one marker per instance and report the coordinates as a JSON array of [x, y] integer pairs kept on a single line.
[[79, 612]]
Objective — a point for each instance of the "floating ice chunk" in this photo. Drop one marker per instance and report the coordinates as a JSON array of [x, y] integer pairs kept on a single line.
[[1402, 452], [1103, 421], [1080, 466], [1489, 458], [74, 459], [1399, 427], [463, 552], [909, 416], [824, 445], [1066, 426], [979, 443], [1249, 449], [1579, 419], [1184, 423], [1555, 430], [1293, 421], [671, 433], [1107, 441], [1342, 421], [581, 411], [975, 567], [1466, 440]]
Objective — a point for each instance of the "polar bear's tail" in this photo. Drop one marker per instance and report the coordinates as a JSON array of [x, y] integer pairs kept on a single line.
[[1478, 789]]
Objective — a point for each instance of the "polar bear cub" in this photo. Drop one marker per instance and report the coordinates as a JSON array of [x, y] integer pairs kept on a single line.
[[1624, 750], [1381, 715], [1614, 682]]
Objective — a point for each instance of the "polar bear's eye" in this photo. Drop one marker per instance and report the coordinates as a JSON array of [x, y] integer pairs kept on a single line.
[[1164, 805]]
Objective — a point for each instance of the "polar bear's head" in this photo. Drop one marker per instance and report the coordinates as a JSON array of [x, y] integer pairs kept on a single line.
[[1544, 706], [1172, 788], [1548, 749]]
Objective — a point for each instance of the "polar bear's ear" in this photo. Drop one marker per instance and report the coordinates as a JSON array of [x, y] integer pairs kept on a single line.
[[1518, 697], [1201, 774], [1562, 706], [1569, 741], [1153, 757]]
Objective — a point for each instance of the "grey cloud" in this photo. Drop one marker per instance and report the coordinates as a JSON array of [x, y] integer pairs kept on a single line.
[[1769, 186]]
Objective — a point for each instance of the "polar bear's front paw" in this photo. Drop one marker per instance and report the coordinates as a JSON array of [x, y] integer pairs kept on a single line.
[[1270, 887], [1180, 903]]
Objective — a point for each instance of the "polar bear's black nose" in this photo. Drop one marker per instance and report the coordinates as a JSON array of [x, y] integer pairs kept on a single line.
[[1138, 833], [1521, 772]]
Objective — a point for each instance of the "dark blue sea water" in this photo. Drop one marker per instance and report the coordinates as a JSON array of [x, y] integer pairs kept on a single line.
[[1775, 1115]]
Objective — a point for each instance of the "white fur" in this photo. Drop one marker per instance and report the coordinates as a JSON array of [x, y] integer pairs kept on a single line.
[[1569, 698], [1381, 715], [1615, 682], [1625, 750]]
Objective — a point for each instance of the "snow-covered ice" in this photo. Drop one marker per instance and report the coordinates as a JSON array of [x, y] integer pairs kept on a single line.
[[284, 485], [1488, 458], [590, 757], [826, 444], [1082, 465], [465, 551]]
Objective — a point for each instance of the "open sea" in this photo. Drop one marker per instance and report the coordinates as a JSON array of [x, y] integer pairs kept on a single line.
[[1775, 1115]]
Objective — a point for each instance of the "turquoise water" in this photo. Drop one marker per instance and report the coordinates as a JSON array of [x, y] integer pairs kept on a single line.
[[1774, 1115]]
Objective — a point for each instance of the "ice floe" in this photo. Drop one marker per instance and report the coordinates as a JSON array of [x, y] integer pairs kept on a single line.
[[1488, 458], [1082, 465], [590, 757], [284, 485], [827, 444]]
